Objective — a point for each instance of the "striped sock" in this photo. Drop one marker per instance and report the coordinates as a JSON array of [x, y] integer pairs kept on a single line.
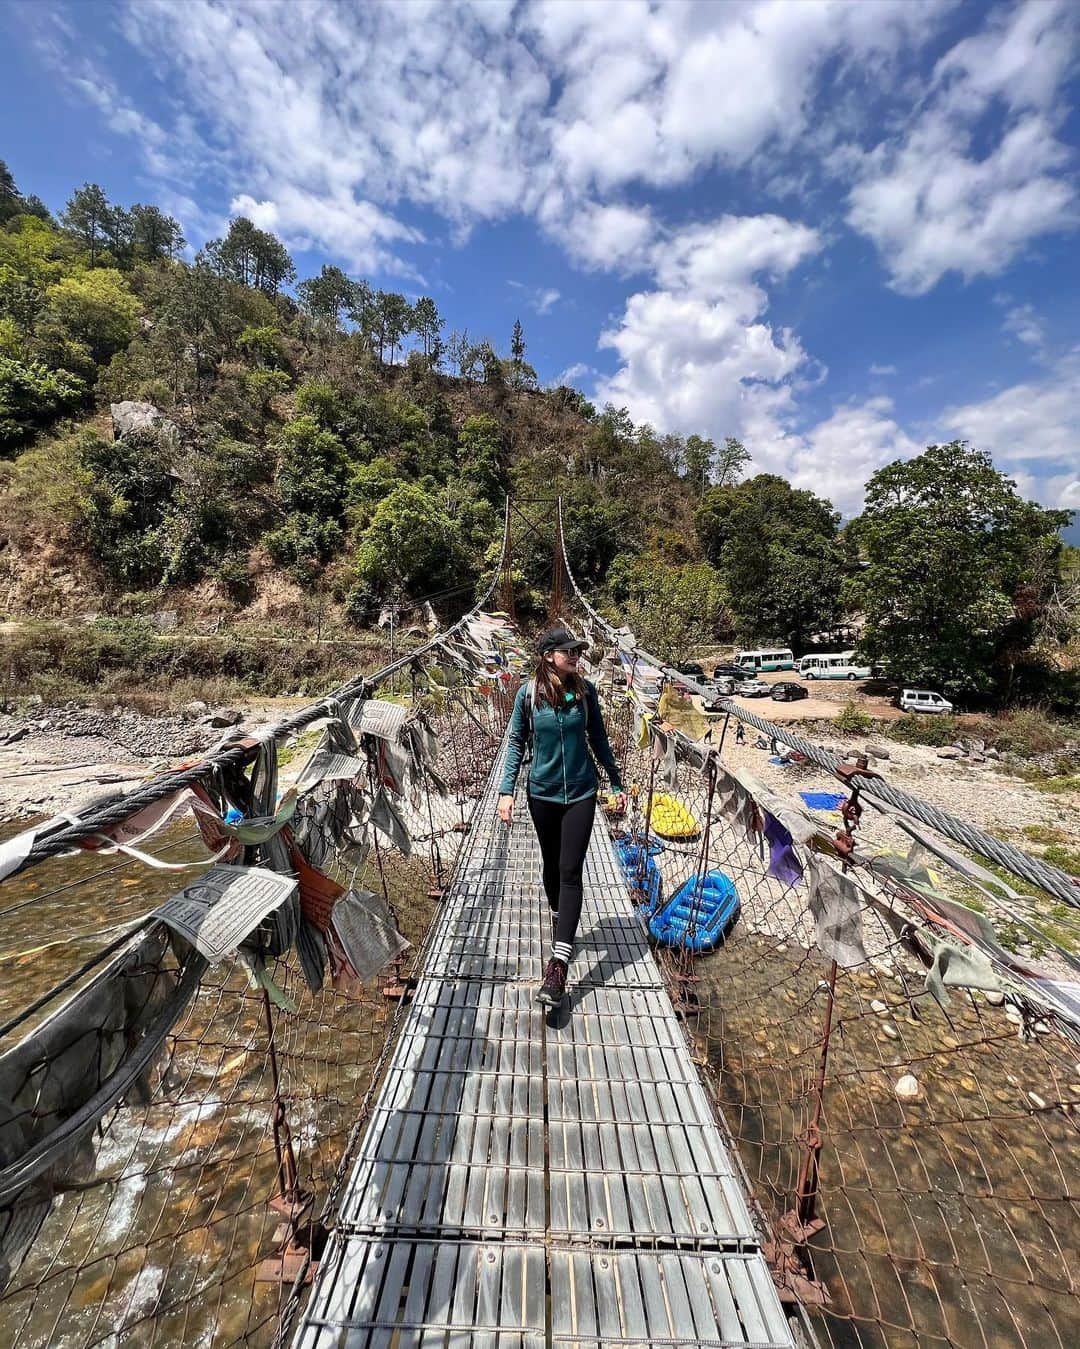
[[562, 950]]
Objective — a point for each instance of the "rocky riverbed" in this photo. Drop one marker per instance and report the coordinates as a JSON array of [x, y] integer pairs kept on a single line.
[[59, 758]]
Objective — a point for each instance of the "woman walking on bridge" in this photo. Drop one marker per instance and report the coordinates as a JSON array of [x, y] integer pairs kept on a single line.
[[557, 714]]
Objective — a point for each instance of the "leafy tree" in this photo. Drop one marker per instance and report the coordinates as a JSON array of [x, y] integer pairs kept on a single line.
[[10, 196], [329, 296], [489, 362], [119, 233], [129, 488], [669, 608], [410, 543], [262, 344], [31, 397], [96, 309], [155, 235], [394, 319], [698, 457], [251, 257], [367, 485], [959, 568], [21, 298], [730, 461], [427, 325], [195, 325], [480, 454], [463, 354], [777, 550], [87, 216]]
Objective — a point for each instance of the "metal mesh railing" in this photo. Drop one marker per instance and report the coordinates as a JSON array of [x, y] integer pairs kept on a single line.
[[913, 1155]]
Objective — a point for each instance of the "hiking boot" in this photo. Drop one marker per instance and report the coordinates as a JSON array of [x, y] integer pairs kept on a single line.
[[553, 989]]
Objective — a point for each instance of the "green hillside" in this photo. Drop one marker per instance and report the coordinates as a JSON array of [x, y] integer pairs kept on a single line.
[[308, 453]]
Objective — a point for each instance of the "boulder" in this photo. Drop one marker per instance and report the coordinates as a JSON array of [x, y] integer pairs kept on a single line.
[[950, 752], [129, 417], [877, 751], [225, 716], [194, 710]]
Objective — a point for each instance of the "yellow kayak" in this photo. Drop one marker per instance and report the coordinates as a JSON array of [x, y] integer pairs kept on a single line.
[[671, 819]]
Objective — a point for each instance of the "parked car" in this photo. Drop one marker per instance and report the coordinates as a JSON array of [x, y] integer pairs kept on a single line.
[[787, 692], [691, 668], [923, 700], [729, 671], [753, 688]]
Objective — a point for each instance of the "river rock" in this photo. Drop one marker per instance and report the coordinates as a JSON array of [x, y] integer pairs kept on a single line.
[[878, 751], [890, 1031], [994, 997], [907, 1088], [878, 1006], [194, 710], [950, 752], [225, 716]]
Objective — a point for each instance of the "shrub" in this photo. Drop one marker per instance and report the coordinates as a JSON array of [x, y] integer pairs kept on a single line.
[[915, 730], [31, 397], [853, 720]]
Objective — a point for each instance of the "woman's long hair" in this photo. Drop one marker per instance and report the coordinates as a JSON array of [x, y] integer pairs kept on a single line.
[[549, 686]]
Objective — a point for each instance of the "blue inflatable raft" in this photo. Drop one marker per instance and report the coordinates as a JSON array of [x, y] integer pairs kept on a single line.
[[699, 915], [640, 869]]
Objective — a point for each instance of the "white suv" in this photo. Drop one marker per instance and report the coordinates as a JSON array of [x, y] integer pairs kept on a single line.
[[922, 700]]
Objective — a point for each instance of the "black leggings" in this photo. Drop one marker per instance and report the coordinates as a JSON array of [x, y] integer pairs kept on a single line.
[[563, 832]]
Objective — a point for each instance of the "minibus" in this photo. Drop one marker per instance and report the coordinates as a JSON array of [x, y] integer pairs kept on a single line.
[[833, 665], [768, 658]]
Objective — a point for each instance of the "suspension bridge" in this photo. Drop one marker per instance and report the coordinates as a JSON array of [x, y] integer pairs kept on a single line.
[[330, 1113]]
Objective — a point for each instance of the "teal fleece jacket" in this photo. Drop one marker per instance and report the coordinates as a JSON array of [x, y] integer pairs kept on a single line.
[[562, 768]]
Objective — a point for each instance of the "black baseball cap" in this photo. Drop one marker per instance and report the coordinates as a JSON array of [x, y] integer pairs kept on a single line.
[[559, 639]]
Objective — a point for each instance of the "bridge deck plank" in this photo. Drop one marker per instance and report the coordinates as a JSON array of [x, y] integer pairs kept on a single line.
[[530, 1180]]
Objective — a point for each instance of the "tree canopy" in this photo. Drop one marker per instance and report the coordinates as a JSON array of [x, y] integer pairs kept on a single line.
[[777, 551], [958, 566]]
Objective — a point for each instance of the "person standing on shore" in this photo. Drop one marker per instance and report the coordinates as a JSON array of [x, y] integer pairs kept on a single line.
[[558, 713]]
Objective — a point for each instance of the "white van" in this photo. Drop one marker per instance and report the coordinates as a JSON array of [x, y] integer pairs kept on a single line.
[[767, 658], [922, 700], [833, 665]]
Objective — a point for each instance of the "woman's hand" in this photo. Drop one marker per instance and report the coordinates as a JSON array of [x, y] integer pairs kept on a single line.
[[506, 808]]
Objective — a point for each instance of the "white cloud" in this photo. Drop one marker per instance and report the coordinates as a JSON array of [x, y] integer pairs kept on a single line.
[[357, 231], [478, 111], [1031, 427], [836, 457], [653, 93], [540, 299], [572, 375], [613, 237], [696, 353], [546, 300], [1023, 323], [883, 369], [930, 200]]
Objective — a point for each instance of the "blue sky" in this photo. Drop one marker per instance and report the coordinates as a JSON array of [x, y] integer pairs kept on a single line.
[[838, 231]]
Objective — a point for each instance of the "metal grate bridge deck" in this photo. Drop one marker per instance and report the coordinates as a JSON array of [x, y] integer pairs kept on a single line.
[[541, 1180]]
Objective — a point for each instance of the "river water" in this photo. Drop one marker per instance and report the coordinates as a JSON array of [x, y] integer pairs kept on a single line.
[[160, 1246]]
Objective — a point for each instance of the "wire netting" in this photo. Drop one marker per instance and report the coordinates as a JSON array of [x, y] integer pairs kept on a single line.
[[913, 1161], [182, 1206]]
